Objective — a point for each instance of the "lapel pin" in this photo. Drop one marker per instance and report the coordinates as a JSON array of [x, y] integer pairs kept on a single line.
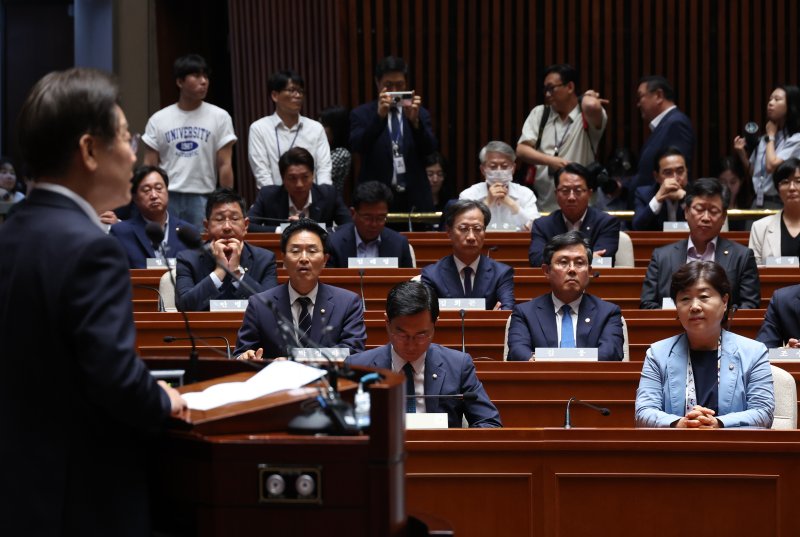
[[435, 375], [587, 320], [322, 310], [588, 228], [730, 366], [725, 252]]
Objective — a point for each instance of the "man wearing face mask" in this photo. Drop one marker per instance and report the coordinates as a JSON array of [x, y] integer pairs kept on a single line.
[[510, 204]]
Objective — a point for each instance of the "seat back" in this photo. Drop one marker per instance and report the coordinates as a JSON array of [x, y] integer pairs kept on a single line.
[[167, 291], [624, 257], [785, 416]]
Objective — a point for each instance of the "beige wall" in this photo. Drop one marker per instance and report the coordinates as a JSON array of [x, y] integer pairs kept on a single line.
[[136, 59]]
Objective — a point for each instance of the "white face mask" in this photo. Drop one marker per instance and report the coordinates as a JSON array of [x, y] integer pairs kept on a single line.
[[499, 176]]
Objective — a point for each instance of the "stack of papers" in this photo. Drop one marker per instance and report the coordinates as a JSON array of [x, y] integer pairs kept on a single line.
[[277, 376]]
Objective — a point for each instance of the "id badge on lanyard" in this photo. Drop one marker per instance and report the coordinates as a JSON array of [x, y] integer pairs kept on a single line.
[[397, 154]]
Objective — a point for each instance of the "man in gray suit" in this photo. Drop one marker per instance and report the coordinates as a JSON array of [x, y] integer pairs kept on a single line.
[[706, 203]]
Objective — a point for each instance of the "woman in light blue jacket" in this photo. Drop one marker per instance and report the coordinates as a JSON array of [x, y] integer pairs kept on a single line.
[[707, 377]]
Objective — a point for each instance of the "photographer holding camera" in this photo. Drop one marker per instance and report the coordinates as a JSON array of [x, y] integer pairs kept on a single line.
[[393, 136]]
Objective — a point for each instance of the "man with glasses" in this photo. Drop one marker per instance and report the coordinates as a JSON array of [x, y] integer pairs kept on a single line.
[[412, 309], [368, 235], [467, 273], [297, 197], [393, 135], [567, 128], [151, 198], [192, 140], [574, 186], [663, 201], [655, 99], [706, 209], [322, 315], [77, 406], [511, 204], [271, 136], [199, 278], [567, 316]]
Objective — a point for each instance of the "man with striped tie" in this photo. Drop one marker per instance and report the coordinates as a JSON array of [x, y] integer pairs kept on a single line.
[[313, 308]]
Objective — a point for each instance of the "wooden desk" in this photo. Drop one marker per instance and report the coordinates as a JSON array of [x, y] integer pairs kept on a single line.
[[612, 482], [623, 286], [484, 330]]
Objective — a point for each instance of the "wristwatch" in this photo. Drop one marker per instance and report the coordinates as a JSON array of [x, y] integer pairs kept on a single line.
[[768, 139]]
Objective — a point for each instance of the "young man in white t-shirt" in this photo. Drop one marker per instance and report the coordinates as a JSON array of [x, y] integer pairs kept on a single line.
[[192, 140]]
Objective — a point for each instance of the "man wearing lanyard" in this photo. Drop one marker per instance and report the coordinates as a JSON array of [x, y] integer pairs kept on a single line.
[[272, 136], [565, 129], [393, 136]]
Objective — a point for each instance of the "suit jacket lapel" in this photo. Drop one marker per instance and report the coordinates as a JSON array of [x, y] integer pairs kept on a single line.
[[676, 375], [729, 366], [547, 320], [348, 243], [383, 359], [138, 229], [773, 237], [434, 378], [483, 276], [323, 310], [678, 257], [558, 222], [585, 313], [722, 254], [451, 278], [315, 210]]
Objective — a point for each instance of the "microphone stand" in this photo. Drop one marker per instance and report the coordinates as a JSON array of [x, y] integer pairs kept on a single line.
[[463, 314], [567, 422], [156, 235]]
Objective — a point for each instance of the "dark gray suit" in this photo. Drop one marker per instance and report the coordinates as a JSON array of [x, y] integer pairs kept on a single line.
[[737, 260]]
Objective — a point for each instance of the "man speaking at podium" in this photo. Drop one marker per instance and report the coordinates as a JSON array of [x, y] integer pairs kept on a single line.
[[433, 373], [74, 397]]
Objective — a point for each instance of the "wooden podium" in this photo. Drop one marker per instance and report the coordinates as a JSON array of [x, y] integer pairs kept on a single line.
[[214, 478]]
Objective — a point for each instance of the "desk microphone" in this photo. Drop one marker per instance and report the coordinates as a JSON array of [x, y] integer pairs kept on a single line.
[[602, 410], [491, 249], [595, 274], [170, 339], [410, 226], [361, 282], [155, 233], [466, 396], [463, 313], [156, 291]]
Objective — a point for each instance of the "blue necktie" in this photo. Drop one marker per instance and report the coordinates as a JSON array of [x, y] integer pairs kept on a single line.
[[567, 335], [411, 402], [467, 281]]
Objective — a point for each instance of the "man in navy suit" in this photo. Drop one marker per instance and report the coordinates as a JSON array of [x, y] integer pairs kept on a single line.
[[151, 198], [75, 400], [587, 322], [782, 323], [368, 236], [201, 279], [574, 188], [298, 197], [663, 201], [431, 370], [668, 125], [706, 209], [322, 315], [467, 273], [393, 137]]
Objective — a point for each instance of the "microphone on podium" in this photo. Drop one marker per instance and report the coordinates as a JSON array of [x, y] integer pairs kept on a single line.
[[170, 339]]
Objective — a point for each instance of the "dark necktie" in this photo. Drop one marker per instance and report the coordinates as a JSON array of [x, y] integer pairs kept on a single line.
[[227, 291], [411, 402], [304, 319], [467, 281], [567, 335]]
